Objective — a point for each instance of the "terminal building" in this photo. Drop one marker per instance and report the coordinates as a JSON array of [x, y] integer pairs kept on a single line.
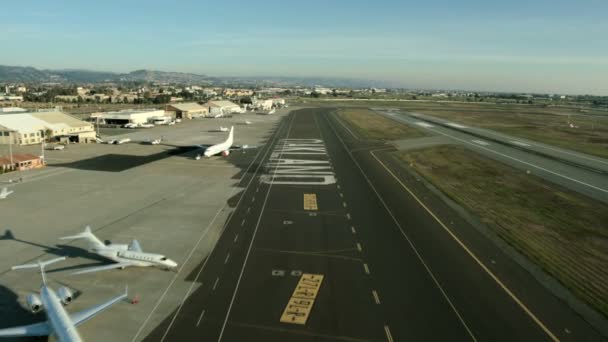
[[30, 128], [187, 110], [135, 116]]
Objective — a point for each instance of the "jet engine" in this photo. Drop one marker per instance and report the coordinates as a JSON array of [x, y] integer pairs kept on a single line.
[[65, 295], [225, 153], [34, 303]]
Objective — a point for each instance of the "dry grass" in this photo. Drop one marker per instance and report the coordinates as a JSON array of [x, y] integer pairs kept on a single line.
[[563, 232], [370, 125]]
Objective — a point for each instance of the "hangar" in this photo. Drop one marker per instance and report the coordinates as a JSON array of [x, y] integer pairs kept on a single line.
[[187, 110], [34, 127]]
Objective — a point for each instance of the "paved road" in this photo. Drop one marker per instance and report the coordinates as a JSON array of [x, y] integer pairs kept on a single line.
[[579, 172], [356, 257]]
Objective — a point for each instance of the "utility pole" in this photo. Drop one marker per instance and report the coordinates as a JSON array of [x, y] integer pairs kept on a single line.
[[10, 146]]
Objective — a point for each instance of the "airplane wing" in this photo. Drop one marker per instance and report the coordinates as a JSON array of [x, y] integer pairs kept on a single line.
[[82, 316], [36, 329], [104, 268], [135, 246]]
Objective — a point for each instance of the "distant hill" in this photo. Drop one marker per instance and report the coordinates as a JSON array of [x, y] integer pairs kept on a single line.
[[30, 74], [15, 74]]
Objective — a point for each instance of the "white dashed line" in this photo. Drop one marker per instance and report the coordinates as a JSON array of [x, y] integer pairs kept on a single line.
[[227, 257], [243, 222], [519, 143], [480, 142], [348, 216], [248, 210], [344, 204], [366, 268], [359, 248], [253, 200], [376, 298], [217, 280], [341, 195], [200, 318], [352, 229], [387, 331], [455, 125], [424, 124], [236, 237]]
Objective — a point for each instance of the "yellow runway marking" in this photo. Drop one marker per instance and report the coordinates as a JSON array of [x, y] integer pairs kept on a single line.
[[472, 255], [300, 304], [310, 202]]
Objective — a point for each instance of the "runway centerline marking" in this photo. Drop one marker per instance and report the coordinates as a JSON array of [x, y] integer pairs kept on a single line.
[[366, 268], [227, 257], [200, 318], [236, 237], [352, 229], [376, 297], [471, 254], [359, 248], [217, 280], [387, 331], [243, 222], [348, 216]]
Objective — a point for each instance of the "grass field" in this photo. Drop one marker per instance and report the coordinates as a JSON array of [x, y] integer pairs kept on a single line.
[[563, 232], [550, 125], [370, 125]]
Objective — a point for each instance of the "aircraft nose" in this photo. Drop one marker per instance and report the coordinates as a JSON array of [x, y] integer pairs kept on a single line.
[[172, 263]]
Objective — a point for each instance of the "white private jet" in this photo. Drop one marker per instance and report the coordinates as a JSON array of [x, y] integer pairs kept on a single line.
[[5, 192], [223, 129], [59, 323], [247, 122], [124, 255]]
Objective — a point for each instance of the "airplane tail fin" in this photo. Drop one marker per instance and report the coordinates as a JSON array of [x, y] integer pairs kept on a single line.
[[39, 264], [230, 135], [94, 242]]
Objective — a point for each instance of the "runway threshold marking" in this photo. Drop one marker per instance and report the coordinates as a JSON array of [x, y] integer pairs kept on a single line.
[[471, 254], [310, 202], [303, 298]]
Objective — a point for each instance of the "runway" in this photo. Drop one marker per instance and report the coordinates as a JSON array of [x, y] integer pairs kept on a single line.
[[327, 244], [577, 171]]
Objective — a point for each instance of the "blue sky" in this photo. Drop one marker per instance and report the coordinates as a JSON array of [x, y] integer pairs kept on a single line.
[[544, 46]]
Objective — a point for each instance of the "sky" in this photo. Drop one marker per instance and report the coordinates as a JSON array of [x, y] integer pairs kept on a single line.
[[521, 46]]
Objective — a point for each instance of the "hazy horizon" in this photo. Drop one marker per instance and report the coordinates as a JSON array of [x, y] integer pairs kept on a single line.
[[540, 46]]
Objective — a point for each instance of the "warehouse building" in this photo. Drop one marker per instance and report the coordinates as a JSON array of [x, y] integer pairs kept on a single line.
[[34, 127], [136, 116], [187, 110]]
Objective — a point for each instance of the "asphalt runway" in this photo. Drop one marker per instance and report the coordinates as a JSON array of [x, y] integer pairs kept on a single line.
[[577, 171], [324, 244]]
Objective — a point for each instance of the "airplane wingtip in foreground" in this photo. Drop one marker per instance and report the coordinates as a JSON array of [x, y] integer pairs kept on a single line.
[[124, 255], [59, 322]]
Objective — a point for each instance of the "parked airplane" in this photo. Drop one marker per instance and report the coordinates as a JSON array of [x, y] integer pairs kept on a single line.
[[272, 111], [223, 148], [124, 255], [247, 122], [5, 192], [223, 129], [59, 323]]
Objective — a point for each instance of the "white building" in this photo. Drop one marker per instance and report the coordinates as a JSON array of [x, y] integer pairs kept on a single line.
[[136, 116], [32, 127], [263, 104], [223, 107], [12, 110]]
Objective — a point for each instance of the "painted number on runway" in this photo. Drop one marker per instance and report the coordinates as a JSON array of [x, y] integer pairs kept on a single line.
[[299, 162], [310, 202], [300, 304]]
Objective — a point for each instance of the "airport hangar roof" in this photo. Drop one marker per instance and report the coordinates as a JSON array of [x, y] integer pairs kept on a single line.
[[222, 103], [36, 121], [186, 107]]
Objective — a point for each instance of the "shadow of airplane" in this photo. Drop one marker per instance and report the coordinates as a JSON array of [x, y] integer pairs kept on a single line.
[[14, 314]]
